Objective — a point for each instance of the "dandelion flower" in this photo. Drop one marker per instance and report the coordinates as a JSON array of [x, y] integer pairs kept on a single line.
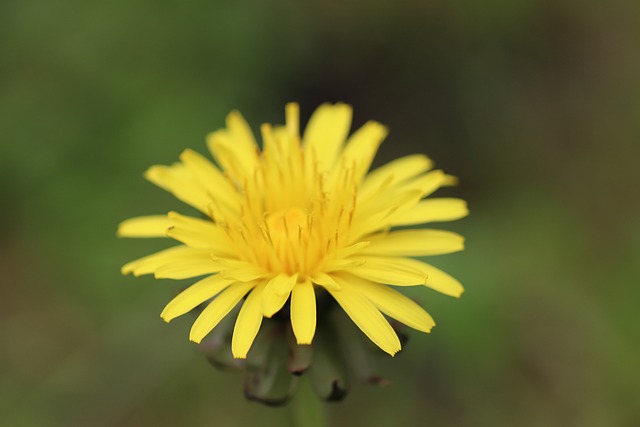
[[301, 216]]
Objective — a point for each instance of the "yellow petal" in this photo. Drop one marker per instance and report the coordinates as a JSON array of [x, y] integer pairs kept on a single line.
[[282, 284], [407, 272], [396, 171], [245, 274], [362, 146], [181, 183], [303, 312], [218, 309], [425, 184], [244, 142], [273, 303], [386, 202], [326, 281], [391, 302], [376, 214], [145, 226], [441, 281], [216, 184], [241, 133], [201, 234], [276, 293], [343, 264], [432, 210], [366, 224], [368, 318], [392, 271], [186, 269], [194, 295], [234, 148], [450, 181], [150, 263], [247, 324], [414, 243], [269, 147], [221, 148], [350, 250], [325, 134], [292, 113]]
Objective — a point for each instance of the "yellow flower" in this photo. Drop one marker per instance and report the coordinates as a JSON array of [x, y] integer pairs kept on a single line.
[[296, 217]]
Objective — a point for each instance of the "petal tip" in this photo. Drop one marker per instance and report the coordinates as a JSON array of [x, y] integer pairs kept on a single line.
[[394, 351], [428, 329], [152, 172], [188, 153], [234, 115], [450, 181]]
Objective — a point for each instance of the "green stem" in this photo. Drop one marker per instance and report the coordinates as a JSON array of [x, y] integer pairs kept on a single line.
[[306, 409]]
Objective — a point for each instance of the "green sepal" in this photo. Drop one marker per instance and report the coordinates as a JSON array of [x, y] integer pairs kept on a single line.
[[300, 356], [327, 372], [267, 377], [217, 346], [358, 352]]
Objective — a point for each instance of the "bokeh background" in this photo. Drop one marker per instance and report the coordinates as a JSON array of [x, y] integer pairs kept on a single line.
[[535, 105]]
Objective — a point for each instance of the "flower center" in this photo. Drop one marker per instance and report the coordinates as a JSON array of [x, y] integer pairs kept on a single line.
[[289, 235], [293, 217], [287, 223]]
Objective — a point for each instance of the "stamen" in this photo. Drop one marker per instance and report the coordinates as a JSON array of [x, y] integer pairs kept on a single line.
[[320, 210]]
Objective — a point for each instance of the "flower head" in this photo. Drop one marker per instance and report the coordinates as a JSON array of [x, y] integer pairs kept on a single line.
[[297, 218]]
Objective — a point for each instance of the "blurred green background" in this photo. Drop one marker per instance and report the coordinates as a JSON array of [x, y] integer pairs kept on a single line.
[[535, 105]]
